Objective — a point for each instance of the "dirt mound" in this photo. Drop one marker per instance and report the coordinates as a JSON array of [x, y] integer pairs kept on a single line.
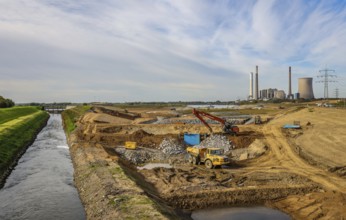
[[92, 117], [317, 205], [194, 187], [140, 134], [256, 149]]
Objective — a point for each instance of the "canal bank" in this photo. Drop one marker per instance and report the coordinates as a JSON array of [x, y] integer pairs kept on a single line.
[[41, 186], [19, 127]]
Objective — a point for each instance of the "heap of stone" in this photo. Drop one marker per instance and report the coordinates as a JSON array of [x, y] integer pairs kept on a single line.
[[140, 156], [171, 147], [218, 141], [137, 157]]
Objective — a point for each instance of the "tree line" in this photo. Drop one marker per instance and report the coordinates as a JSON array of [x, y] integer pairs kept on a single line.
[[6, 103]]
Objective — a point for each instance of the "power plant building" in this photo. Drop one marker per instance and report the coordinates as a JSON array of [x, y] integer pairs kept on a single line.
[[305, 88], [267, 93], [280, 94]]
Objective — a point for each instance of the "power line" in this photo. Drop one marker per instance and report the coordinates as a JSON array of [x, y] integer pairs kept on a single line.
[[326, 80], [336, 93]]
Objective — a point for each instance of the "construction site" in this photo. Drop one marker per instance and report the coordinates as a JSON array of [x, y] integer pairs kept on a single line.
[[168, 162]]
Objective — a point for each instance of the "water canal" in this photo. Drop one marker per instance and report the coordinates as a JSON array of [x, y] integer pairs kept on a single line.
[[41, 185]]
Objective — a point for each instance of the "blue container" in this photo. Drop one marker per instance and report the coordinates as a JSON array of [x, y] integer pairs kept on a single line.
[[192, 139]]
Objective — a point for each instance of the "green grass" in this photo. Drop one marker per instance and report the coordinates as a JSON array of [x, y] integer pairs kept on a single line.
[[8, 114], [71, 116], [17, 133]]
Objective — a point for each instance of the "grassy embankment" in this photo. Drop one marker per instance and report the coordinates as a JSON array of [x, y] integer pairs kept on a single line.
[[70, 116], [18, 129]]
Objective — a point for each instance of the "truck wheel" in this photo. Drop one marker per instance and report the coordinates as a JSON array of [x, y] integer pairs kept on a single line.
[[208, 164], [194, 160], [190, 159]]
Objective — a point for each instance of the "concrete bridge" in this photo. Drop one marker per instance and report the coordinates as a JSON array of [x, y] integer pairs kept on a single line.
[[54, 109]]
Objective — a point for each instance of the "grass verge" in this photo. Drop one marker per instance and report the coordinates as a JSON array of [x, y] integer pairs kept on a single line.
[[71, 116], [17, 134], [8, 114]]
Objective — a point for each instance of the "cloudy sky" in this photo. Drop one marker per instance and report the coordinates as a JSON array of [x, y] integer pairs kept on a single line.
[[161, 50]]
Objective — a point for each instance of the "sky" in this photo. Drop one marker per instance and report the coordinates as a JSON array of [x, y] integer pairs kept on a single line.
[[161, 50]]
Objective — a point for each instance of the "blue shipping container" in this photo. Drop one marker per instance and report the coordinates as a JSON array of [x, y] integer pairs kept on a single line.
[[192, 139]]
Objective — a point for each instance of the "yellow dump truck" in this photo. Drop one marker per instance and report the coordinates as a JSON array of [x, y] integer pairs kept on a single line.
[[211, 157]]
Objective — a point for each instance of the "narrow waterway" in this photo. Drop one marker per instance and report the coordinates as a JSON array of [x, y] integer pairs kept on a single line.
[[41, 185]]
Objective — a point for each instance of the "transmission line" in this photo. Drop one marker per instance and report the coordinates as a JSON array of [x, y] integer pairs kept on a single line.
[[325, 75]]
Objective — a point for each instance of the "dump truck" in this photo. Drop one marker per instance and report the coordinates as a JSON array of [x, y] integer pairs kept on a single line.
[[211, 157]]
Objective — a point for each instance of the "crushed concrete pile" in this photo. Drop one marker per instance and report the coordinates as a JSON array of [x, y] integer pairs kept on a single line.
[[218, 141], [140, 156], [171, 147], [256, 149]]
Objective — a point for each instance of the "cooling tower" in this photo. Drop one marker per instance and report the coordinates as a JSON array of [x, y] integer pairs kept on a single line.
[[251, 86], [256, 84], [305, 88]]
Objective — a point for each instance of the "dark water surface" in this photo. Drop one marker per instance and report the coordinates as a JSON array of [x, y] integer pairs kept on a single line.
[[240, 213], [41, 185]]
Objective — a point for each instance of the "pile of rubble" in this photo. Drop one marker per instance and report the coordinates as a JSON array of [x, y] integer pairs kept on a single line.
[[140, 156], [218, 141], [171, 147], [167, 148]]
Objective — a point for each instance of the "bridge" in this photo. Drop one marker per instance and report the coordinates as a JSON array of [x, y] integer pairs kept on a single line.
[[54, 109]]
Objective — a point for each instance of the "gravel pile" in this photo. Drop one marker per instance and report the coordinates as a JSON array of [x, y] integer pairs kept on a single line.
[[171, 147], [140, 156], [218, 141]]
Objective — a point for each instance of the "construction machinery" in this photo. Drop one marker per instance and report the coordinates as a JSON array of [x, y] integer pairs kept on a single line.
[[258, 120], [211, 157], [130, 145], [228, 128]]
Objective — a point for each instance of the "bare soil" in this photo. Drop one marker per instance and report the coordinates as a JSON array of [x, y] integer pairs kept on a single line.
[[300, 173]]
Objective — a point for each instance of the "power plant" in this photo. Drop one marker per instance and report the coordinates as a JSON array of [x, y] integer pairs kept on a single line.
[[251, 86], [256, 84], [289, 95], [305, 88]]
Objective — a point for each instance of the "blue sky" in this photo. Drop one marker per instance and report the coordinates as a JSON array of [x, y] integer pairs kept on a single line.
[[153, 50]]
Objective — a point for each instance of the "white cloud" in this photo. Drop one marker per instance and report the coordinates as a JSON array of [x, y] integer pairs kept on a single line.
[[162, 50]]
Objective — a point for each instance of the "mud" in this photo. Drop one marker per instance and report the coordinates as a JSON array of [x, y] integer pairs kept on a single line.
[[277, 176]]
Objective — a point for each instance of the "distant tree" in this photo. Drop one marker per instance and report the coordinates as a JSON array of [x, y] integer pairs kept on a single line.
[[6, 103]]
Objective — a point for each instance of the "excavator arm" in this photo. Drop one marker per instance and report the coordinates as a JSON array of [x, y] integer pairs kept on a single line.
[[227, 127]]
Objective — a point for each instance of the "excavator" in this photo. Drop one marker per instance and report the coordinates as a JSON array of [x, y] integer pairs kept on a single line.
[[227, 127]]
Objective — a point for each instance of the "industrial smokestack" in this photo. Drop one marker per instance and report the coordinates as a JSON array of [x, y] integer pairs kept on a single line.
[[256, 84], [251, 86], [289, 83], [305, 88]]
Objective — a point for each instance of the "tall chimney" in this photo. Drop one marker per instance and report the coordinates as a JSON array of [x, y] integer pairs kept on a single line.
[[256, 84], [289, 83], [251, 86]]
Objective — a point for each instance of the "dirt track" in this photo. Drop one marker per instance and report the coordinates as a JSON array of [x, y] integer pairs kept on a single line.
[[280, 178]]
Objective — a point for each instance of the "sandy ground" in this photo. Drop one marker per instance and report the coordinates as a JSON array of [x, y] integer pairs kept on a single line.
[[300, 174]]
